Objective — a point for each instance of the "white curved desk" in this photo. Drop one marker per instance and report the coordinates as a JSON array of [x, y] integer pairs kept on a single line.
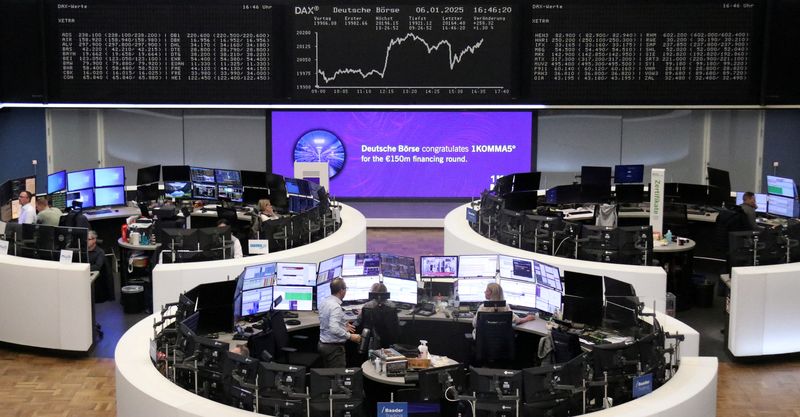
[[46, 304], [650, 282], [170, 280]]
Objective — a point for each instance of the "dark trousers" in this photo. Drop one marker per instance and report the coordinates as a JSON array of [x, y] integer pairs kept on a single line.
[[333, 355]]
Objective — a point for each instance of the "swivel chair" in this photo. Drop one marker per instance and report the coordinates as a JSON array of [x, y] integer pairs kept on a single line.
[[274, 339], [383, 325], [494, 339]]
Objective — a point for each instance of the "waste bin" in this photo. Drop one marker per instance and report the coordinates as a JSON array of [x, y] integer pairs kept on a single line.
[[132, 299], [703, 291]]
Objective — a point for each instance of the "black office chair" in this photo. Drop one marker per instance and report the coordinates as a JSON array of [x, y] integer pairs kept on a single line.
[[676, 220], [383, 324], [74, 218], [566, 346], [278, 232], [509, 227], [274, 339], [494, 339]]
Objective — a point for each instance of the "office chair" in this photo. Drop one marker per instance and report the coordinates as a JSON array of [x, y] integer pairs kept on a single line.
[[383, 324], [676, 219], [494, 339], [274, 339], [278, 232], [566, 346], [509, 227], [487, 216]]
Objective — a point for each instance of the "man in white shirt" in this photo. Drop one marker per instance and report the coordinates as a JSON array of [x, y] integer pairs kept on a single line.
[[237, 245], [334, 330], [27, 214]]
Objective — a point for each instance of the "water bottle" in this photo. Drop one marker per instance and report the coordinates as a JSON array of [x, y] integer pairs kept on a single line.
[[423, 349], [668, 236]]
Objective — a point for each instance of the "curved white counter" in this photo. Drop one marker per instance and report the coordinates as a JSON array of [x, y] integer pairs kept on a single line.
[[764, 310], [650, 282], [45, 304], [170, 280]]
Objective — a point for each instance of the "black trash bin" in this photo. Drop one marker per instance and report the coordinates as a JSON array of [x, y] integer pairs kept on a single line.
[[132, 299], [703, 292]]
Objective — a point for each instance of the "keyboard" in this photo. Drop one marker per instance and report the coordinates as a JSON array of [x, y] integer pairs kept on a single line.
[[101, 211], [520, 314]]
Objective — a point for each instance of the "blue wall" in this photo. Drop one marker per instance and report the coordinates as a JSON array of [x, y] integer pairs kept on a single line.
[[22, 139], [782, 144]]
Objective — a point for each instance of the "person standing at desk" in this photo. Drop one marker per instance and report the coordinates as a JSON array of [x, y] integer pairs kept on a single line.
[[49, 216], [494, 292], [27, 214], [334, 330], [749, 207], [103, 287]]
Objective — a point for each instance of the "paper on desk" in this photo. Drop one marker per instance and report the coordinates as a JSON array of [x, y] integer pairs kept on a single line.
[[66, 256], [617, 339]]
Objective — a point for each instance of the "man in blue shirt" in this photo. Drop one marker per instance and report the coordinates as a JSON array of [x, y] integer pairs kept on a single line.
[[334, 330]]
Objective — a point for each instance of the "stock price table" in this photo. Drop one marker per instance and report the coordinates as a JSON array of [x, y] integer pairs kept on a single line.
[[631, 51], [403, 53], [160, 51]]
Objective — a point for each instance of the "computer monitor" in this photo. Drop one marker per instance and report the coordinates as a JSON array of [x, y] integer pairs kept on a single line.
[[213, 352], [630, 193], [283, 407], [547, 299], [541, 224], [227, 176], [256, 301], [176, 173], [401, 290], [621, 312], [234, 193], [516, 268], [600, 237], [253, 195], [696, 194], [85, 196], [519, 294], [616, 288], [547, 275], [79, 180], [522, 181], [297, 186], [761, 201], [204, 175], [109, 177], [323, 291], [256, 179], [357, 264], [294, 297], [472, 290], [397, 266], [296, 274], [202, 191], [56, 182], [489, 382], [626, 174], [591, 175], [477, 266], [782, 206], [343, 382], [332, 264], [148, 175], [779, 186], [213, 238], [241, 368], [146, 193], [72, 238], [109, 196], [434, 381], [541, 382], [719, 178], [176, 238], [277, 380], [258, 276], [438, 266], [178, 189], [358, 287], [565, 194]]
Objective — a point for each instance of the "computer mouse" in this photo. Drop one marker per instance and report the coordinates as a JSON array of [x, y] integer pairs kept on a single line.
[[293, 322]]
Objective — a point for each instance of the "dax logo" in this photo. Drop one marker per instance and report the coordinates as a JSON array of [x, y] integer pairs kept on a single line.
[[306, 9]]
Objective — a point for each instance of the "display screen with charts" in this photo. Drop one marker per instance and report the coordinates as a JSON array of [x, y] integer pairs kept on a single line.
[[294, 298], [258, 276], [477, 265], [516, 268], [438, 266], [519, 293], [472, 290], [547, 275], [296, 274]]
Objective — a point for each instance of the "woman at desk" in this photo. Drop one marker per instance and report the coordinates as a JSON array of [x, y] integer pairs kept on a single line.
[[494, 292], [266, 211]]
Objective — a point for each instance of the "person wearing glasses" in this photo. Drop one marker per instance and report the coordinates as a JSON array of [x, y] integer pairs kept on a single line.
[[334, 330], [27, 214]]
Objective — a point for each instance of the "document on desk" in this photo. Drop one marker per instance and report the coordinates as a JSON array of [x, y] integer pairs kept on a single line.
[[66, 256]]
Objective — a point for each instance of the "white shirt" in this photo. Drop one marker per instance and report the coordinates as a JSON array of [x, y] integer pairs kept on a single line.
[[28, 214], [237, 247]]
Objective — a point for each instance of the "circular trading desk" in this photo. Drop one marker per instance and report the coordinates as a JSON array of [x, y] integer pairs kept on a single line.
[[170, 280], [142, 390]]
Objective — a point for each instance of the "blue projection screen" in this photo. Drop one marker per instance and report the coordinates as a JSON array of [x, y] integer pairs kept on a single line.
[[404, 154]]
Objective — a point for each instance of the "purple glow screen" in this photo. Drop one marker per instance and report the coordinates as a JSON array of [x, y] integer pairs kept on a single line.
[[405, 154]]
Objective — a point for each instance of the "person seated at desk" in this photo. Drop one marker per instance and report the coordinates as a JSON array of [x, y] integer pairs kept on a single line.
[[749, 207], [47, 215], [494, 292], [377, 287], [103, 286], [27, 214], [334, 330], [266, 211], [237, 246]]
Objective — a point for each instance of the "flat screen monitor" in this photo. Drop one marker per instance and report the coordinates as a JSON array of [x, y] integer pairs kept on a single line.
[[176, 173], [205, 175], [109, 177], [109, 196], [148, 175], [564, 194], [279, 380], [202, 191], [227, 176], [761, 201], [256, 179], [547, 299], [347, 381], [401, 290], [178, 189], [547, 275], [296, 274], [323, 292], [616, 288], [294, 297], [332, 264], [516, 268], [627, 174], [356, 264], [523, 181], [779, 186], [584, 285], [57, 182], [258, 276], [296, 186], [782, 206], [519, 293], [438, 266], [86, 196], [693, 193], [234, 193], [477, 266], [257, 301], [80, 180], [595, 175], [358, 287], [472, 290], [719, 178], [630, 193], [487, 381], [253, 195], [396, 266]]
